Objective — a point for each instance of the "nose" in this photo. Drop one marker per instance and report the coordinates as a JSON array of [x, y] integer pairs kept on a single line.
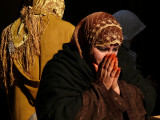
[[109, 52]]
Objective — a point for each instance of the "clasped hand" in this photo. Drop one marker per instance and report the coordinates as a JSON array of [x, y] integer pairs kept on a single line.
[[108, 72]]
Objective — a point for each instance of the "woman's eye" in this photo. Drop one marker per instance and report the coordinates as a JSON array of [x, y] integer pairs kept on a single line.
[[115, 49], [102, 48]]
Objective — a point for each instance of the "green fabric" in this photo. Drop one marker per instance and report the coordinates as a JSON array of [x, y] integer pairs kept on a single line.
[[64, 79], [131, 75]]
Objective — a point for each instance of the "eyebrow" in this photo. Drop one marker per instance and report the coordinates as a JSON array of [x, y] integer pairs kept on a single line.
[[117, 45]]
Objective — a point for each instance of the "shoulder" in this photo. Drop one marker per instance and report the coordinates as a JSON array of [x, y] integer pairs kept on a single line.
[[53, 20]]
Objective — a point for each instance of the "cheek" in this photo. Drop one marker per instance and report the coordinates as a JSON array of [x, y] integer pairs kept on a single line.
[[116, 53], [98, 56]]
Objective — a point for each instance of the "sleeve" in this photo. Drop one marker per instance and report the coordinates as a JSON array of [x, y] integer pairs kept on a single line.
[[146, 88], [133, 76], [134, 100], [100, 103]]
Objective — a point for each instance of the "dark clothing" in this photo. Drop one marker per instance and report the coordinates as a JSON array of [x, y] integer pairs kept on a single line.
[[131, 75], [102, 104], [68, 90], [64, 79]]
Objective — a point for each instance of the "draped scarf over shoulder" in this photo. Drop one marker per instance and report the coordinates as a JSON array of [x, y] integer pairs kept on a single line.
[[64, 79], [20, 41]]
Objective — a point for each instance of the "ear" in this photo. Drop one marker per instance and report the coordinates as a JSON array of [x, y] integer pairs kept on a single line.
[[95, 66]]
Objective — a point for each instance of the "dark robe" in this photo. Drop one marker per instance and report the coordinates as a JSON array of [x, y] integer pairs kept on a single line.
[[69, 91], [132, 75]]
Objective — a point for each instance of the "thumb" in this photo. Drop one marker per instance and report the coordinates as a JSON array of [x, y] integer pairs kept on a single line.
[[95, 66]]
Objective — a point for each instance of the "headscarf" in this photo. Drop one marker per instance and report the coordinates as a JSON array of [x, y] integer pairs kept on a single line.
[[45, 7], [96, 29], [21, 39], [131, 26], [130, 23]]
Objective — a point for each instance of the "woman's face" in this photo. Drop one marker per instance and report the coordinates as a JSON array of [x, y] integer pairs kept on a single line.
[[99, 52]]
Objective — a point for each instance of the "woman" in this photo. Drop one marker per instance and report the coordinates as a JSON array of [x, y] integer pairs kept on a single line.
[[81, 81], [26, 46]]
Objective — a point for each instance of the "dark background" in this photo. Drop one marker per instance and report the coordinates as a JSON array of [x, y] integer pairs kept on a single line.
[[146, 46]]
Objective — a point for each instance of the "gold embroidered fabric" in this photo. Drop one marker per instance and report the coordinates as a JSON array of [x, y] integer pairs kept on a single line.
[[45, 7], [21, 40], [26, 46], [97, 29], [106, 32]]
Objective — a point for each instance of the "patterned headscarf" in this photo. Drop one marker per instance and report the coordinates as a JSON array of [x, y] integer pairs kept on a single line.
[[130, 22], [97, 29]]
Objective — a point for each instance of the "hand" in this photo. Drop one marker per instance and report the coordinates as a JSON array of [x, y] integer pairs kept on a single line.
[[115, 85], [108, 72]]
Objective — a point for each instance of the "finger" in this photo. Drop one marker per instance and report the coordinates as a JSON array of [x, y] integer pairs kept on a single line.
[[95, 66], [110, 69], [104, 61], [108, 62], [101, 67], [111, 66], [118, 73], [107, 80], [116, 63], [114, 71], [115, 83]]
